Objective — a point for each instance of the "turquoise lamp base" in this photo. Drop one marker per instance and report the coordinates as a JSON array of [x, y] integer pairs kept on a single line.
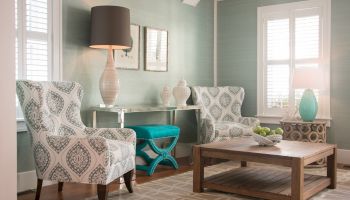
[[308, 106]]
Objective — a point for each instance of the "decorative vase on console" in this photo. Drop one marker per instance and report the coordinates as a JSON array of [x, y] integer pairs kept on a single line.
[[181, 93], [166, 95]]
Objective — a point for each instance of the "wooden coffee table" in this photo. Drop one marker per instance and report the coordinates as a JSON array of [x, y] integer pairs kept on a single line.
[[264, 182]]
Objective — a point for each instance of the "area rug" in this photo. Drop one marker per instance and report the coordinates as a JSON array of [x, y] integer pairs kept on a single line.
[[179, 187]]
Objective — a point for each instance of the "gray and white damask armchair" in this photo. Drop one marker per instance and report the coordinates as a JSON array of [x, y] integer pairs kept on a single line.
[[64, 149], [220, 115]]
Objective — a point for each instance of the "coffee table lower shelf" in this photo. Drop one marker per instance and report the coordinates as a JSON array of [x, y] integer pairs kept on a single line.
[[263, 183]]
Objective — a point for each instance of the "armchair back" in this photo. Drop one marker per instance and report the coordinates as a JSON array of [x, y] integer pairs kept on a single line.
[[219, 103], [51, 107]]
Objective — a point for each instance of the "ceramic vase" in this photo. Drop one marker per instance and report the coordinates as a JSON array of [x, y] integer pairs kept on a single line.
[[165, 95], [109, 82], [308, 106], [181, 93]]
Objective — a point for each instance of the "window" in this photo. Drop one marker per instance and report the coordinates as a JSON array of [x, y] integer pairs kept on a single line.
[[37, 42], [291, 36]]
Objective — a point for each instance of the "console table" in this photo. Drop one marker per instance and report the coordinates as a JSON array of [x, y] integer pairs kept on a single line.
[[120, 111]]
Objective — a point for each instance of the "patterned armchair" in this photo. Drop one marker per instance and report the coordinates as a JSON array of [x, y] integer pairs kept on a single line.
[[64, 149], [220, 115]]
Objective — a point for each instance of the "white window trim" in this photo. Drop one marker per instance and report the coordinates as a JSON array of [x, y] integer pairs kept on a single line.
[[325, 5], [55, 32]]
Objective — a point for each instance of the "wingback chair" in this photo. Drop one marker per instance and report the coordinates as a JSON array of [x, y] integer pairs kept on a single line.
[[64, 149], [220, 114]]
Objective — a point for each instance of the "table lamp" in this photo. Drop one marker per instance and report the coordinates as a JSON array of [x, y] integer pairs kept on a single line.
[[308, 79], [110, 29]]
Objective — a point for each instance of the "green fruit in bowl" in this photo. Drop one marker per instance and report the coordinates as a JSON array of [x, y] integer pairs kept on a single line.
[[279, 131], [266, 130], [257, 129], [262, 133]]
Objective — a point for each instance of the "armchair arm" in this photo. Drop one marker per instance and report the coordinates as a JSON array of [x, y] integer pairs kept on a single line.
[[64, 158], [207, 131], [122, 134], [249, 121], [99, 145]]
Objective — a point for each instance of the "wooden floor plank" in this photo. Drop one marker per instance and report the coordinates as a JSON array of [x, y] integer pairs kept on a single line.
[[76, 191]]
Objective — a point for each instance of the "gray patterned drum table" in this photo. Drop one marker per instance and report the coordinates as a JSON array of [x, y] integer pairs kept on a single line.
[[314, 132]]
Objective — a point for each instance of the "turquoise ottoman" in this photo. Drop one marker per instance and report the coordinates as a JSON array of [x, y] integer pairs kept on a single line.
[[147, 134]]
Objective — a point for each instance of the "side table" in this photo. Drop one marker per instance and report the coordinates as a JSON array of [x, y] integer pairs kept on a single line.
[[314, 132]]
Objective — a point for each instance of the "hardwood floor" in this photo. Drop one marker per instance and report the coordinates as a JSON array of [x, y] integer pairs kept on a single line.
[[75, 191]]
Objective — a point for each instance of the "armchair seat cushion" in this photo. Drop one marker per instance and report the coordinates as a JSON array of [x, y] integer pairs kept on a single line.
[[231, 129]]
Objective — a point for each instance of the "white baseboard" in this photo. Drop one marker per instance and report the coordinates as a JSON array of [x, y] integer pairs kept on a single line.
[[27, 181], [343, 156], [184, 149]]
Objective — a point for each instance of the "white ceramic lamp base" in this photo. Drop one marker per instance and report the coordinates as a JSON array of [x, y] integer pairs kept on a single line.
[[109, 82]]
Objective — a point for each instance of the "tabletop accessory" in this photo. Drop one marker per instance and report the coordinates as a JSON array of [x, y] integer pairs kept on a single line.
[[308, 79], [264, 136], [181, 93], [165, 96]]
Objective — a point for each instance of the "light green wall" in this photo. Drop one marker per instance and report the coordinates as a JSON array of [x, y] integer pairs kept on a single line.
[[190, 56], [237, 50]]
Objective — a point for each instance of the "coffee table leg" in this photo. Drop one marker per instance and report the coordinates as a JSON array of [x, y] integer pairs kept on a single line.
[[244, 164], [297, 179], [198, 170], [332, 169]]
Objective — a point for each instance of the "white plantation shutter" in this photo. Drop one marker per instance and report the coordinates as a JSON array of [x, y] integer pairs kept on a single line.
[[307, 37], [277, 39], [37, 60], [277, 86], [35, 41], [277, 63], [37, 15], [294, 35]]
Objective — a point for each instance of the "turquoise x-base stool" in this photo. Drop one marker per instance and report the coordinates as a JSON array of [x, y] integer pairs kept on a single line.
[[147, 135]]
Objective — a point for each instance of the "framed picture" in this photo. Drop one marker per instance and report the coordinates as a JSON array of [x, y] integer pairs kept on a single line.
[[156, 50], [130, 58]]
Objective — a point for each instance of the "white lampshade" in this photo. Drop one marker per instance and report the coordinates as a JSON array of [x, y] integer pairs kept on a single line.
[[308, 78]]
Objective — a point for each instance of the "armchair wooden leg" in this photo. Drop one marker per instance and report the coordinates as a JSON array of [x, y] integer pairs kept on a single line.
[[128, 180], [60, 186], [38, 188], [102, 192]]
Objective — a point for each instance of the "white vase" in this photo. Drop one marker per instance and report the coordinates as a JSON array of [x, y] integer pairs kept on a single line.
[[181, 93], [109, 82], [165, 95]]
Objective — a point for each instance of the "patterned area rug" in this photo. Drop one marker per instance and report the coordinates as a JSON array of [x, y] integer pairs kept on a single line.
[[179, 187]]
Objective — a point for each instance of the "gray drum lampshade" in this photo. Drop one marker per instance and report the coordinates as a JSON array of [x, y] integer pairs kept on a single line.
[[110, 27]]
